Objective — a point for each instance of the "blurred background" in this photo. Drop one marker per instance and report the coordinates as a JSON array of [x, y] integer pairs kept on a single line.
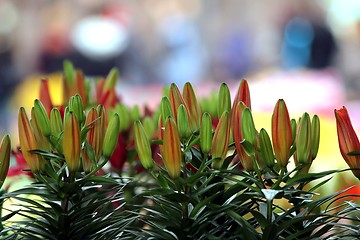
[[305, 51]]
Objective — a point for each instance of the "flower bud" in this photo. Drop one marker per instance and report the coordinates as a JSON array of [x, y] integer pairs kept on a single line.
[[112, 78], [71, 142], [149, 127], [125, 117], [42, 118], [175, 99], [245, 159], [44, 96], [206, 133], [76, 106], [42, 142], [111, 136], [248, 130], [193, 106], [220, 141], [183, 122], [171, 150], [303, 139], [28, 142], [315, 136], [88, 158], [224, 101], [293, 129], [5, 149], [281, 133], [242, 95], [166, 111], [57, 127], [142, 145], [266, 150]]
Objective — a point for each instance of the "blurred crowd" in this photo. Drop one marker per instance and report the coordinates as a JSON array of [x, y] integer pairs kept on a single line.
[[153, 41]]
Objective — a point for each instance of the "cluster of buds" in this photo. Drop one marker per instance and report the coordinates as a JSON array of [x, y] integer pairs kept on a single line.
[[81, 139], [348, 141], [183, 124]]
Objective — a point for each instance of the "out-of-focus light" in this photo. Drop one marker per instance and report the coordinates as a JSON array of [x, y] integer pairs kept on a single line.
[[8, 17], [99, 37], [343, 13]]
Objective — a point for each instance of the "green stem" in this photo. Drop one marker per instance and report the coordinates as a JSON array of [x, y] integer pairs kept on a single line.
[[279, 180], [269, 211]]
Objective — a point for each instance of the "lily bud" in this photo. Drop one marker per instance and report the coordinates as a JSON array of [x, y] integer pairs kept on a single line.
[[193, 106], [183, 121], [149, 127], [171, 150], [303, 139], [266, 150], [248, 130], [135, 113], [71, 142], [76, 106], [95, 134], [111, 136], [206, 133], [88, 158], [44, 96], [281, 133], [42, 141], [125, 117], [245, 159], [348, 140], [315, 136], [293, 129], [142, 145], [5, 149], [224, 102], [175, 99], [42, 118], [56, 126], [220, 141], [112, 78], [68, 81], [242, 95], [166, 111], [28, 142]]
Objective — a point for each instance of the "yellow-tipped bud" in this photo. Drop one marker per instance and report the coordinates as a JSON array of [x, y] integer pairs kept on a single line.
[[315, 136], [183, 122], [142, 144], [28, 142], [71, 142], [111, 136], [42, 118], [224, 101], [171, 150], [206, 133], [220, 141], [5, 149], [266, 150]]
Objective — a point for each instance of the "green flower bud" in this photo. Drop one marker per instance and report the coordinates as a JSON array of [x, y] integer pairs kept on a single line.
[[125, 117], [135, 113], [224, 101], [266, 150], [5, 149], [248, 130], [206, 133], [315, 136], [183, 121], [149, 126], [142, 145], [69, 71], [111, 136], [303, 139], [42, 118], [76, 106], [165, 107], [112, 78], [293, 129]]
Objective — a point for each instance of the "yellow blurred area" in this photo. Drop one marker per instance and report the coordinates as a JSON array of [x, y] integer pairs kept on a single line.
[[28, 90]]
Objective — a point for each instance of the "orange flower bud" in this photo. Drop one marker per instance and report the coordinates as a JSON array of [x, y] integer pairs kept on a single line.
[[28, 142], [71, 142], [171, 150], [245, 159], [175, 99], [281, 133], [44, 96], [193, 106], [242, 95], [348, 140]]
